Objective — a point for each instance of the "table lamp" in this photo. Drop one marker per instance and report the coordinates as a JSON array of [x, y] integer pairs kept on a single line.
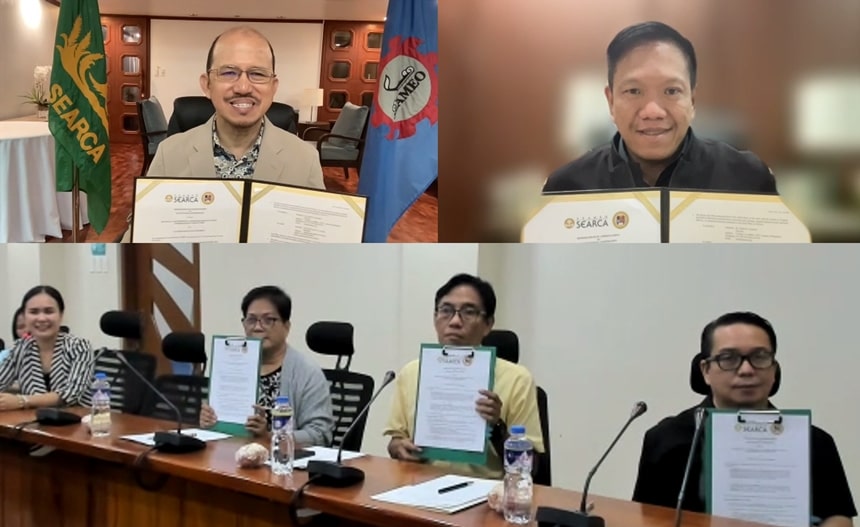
[[314, 98]]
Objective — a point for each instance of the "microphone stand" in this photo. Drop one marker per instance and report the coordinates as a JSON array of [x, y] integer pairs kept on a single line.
[[333, 473], [166, 442]]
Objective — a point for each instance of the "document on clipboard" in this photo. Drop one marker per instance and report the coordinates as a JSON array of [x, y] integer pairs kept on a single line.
[[234, 382], [757, 466], [447, 426]]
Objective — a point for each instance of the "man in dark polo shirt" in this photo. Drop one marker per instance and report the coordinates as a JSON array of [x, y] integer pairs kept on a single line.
[[737, 362], [651, 96]]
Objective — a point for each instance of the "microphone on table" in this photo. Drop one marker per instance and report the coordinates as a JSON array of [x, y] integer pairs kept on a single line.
[[122, 324], [700, 421], [552, 517], [333, 473], [186, 347], [167, 442]]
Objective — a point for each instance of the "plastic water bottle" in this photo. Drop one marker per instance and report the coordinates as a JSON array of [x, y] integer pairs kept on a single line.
[[283, 446], [100, 415], [519, 487]]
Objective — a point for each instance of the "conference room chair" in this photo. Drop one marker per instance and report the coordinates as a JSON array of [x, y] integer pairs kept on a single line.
[[350, 391], [153, 129], [507, 346], [127, 392], [186, 392], [65, 329], [192, 111], [343, 146], [698, 384]]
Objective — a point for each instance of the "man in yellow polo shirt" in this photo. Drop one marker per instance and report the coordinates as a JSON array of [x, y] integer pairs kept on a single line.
[[464, 314]]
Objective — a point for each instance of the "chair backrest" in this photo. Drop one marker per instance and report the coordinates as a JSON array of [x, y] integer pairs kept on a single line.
[[350, 393], [128, 393], [187, 392], [544, 469], [352, 122], [507, 345], [506, 342], [193, 110]]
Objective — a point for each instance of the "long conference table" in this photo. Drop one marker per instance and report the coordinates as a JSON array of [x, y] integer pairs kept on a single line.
[[93, 482]]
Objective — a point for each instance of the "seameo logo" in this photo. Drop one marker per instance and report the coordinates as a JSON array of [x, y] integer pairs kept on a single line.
[[208, 198], [168, 198], [409, 90]]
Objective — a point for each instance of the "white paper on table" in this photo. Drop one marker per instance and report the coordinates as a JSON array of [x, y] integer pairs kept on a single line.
[[234, 378], [322, 453], [148, 439], [426, 495], [448, 387], [760, 470]]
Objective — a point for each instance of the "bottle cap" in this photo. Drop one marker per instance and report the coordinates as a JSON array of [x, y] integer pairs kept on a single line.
[[518, 429], [282, 399], [101, 375]]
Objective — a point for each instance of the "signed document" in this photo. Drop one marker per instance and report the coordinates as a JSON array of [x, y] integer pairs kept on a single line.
[[697, 217], [758, 466], [596, 217], [447, 426], [187, 211], [234, 381], [291, 214]]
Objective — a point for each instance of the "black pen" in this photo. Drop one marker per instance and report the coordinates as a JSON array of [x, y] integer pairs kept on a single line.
[[458, 486]]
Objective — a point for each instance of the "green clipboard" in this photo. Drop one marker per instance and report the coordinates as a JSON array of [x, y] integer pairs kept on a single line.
[[707, 468], [444, 454], [226, 427]]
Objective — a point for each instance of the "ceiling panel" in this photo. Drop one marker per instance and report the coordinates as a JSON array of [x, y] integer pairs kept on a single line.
[[369, 10]]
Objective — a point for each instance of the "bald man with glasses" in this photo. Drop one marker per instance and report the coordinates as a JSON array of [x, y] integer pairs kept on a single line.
[[239, 141], [464, 314], [738, 362], [284, 370]]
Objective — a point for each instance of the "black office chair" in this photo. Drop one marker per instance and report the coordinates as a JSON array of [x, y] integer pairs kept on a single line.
[[350, 391], [698, 384], [186, 392], [507, 346], [128, 393], [153, 129], [192, 111]]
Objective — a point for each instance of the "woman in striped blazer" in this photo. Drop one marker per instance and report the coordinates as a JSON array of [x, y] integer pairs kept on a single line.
[[51, 368]]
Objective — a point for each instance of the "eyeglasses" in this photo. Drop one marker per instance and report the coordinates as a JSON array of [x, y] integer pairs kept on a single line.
[[731, 361], [467, 313], [266, 322], [231, 74]]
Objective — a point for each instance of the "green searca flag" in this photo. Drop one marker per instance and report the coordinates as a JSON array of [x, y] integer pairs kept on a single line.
[[78, 112]]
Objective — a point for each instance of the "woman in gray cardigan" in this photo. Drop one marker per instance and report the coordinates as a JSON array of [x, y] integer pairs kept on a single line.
[[283, 371]]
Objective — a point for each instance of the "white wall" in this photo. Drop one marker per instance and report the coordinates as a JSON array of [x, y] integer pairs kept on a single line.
[[604, 326], [22, 48], [178, 50]]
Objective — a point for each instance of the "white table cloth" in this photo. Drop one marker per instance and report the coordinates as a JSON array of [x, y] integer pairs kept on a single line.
[[30, 206]]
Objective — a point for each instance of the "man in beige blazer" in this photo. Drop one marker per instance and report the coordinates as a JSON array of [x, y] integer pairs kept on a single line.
[[239, 142]]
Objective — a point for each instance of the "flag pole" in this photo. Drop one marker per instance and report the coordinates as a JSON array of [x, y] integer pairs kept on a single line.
[[76, 205]]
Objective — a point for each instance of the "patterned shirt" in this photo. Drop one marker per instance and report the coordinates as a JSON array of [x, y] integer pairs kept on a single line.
[[71, 372], [270, 388], [226, 164]]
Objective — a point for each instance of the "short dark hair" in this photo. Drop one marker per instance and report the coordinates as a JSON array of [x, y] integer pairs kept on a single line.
[[637, 35], [273, 294], [739, 317], [48, 290], [482, 287], [212, 50], [18, 313]]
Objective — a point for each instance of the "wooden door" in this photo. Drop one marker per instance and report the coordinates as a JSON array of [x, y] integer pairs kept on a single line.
[[350, 65], [163, 282], [127, 50]]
